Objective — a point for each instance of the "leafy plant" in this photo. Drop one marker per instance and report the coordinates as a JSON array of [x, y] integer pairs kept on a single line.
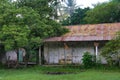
[[88, 60], [76, 18], [107, 12], [111, 51]]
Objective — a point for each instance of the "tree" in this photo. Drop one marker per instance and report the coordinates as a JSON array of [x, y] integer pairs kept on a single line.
[[15, 20], [111, 50], [70, 6], [28, 23], [14, 36], [41, 6], [63, 8], [57, 6], [44, 27], [77, 17], [115, 0], [104, 13]]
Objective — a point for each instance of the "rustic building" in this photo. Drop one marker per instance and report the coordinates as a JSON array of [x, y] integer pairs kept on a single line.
[[70, 47]]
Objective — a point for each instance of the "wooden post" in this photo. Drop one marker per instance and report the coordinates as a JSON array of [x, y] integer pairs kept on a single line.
[[40, 56], [58, 52], [64, 56], [72, 52], [48, 54]]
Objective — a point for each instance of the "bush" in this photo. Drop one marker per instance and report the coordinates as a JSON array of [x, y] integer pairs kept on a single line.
[[1, 65], [111, 51], [88, 60]]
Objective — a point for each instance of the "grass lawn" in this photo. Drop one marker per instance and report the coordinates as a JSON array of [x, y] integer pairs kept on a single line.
[[37, 73]]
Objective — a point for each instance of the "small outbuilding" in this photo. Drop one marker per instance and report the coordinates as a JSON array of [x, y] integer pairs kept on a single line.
[[69, 48]]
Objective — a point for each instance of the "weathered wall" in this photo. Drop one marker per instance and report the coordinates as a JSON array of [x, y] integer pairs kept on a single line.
[[55, 52], [12, 55]]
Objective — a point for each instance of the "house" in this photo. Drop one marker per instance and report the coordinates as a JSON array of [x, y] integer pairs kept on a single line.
[[70, 47]]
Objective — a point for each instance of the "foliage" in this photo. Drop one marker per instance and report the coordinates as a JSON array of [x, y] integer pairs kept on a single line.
[[104, 13], [14, 36], [107, 12], [115, 0], [77, 17], [58, 7], [111, 51], [70, 6], [63, 8], [88, 60], [25, 23], [43, 7]]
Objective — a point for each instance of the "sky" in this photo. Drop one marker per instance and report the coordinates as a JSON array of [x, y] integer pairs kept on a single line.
[[86, 3]]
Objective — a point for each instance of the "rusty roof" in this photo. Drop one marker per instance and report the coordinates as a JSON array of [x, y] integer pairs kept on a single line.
[[89, 32]]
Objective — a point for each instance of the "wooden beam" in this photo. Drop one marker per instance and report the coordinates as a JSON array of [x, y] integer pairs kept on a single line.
[[40, 62]]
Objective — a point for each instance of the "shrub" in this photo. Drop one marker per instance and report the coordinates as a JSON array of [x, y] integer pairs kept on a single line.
[[88, 60], [111, 51]]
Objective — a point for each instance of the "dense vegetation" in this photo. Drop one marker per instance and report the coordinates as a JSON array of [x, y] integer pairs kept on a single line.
[[104, 13], [111, 51], [25, 23], [107, 12], [88, 60], [77, 17]]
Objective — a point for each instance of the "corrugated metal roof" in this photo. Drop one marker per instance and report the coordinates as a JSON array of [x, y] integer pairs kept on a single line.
[[89, 32]]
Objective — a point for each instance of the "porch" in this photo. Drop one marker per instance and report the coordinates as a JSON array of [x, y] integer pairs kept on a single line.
[[60, 53]]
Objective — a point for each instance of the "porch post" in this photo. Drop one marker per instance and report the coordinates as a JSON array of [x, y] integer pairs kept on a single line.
[[39, 55], [96, 49]]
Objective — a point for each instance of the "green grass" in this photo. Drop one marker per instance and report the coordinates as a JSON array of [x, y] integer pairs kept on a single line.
[[37, 73]]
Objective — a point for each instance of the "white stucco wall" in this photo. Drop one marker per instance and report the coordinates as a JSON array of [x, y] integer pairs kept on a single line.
[[9, 54], [12, 55]]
